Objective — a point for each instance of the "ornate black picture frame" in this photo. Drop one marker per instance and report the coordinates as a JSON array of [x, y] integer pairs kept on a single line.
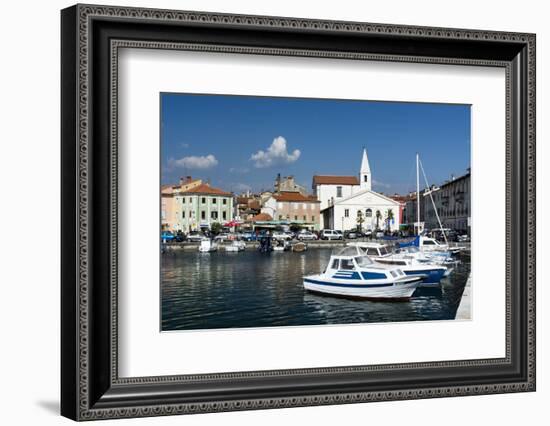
[[91, 37]]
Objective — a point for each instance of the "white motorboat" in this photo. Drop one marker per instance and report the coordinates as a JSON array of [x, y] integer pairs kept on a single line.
[[351, 273], [430, 273], [235, 246], [208, 246], [281, 245], [413, 252], [431, 245]]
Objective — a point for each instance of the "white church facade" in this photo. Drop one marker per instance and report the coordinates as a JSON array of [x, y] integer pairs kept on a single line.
[[349, 201]]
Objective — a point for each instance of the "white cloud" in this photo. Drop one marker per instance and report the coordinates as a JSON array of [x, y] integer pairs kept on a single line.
[[277, 153], [242, 187], [239, 170], [195, 162], [381, 184]]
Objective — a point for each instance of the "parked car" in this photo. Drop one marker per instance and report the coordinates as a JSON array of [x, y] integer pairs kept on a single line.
[[307, 235], [379, 234], [195, 237], [179, 237], [291, 235], [248, 236], [351, 235], [280, 235], [330, 234], [224, 236], [463, 238], [167, 236]]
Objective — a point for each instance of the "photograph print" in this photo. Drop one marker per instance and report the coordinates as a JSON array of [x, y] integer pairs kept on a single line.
[[278, 212]]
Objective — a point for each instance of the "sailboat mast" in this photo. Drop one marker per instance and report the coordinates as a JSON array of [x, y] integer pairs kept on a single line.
[[417, 196]]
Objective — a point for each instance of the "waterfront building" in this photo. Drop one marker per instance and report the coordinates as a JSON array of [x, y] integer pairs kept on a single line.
[[169, 213], [347, 202], [452, 200], [246, 206], [402, 200], [288, 184], [199, 206], [410, 212], [295, 208]]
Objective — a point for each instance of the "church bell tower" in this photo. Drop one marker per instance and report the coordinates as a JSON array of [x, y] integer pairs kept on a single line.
[[365, 177]]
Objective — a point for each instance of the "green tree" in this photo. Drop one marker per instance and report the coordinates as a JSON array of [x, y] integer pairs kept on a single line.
[[389, 215], [360, 220], [378, 217], [216, 228]]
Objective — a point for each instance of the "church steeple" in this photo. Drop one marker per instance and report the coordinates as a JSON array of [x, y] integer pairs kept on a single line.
[[364, 175]]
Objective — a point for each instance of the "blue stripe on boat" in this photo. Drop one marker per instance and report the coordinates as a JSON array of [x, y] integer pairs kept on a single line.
[[347, 275], [347, 285], [373, 275], [436, 274]]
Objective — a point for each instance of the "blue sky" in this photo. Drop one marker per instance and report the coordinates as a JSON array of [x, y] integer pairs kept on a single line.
[[242, 142]]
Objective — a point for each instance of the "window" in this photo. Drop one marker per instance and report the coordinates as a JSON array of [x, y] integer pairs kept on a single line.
[[183, 215], [313, 218], [203, 214], [295, 217], [365, 178], [305, 218], [347, 264], [338, 192], [334, 264], [214, 215], [163, 214], [346, 213], [183, 200], [203, 201], [363, 261], [224, 215], [368, 213], [280, 217], [214, 200], [372, 252], [224, 201]]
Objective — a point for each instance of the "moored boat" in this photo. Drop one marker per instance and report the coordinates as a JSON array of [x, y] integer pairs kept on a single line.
[[351, 273], [299, 247], [235, 246], [208, 246], [430, 273]]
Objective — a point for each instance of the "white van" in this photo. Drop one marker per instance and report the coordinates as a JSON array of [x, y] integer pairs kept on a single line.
[[329, 234]]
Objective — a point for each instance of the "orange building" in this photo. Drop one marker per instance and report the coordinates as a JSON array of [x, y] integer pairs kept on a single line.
[[294, 207]]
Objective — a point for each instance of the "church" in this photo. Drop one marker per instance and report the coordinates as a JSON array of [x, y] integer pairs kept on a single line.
[[347, 202]]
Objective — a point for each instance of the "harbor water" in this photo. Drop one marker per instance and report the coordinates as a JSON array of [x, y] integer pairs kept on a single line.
[[249, 289]]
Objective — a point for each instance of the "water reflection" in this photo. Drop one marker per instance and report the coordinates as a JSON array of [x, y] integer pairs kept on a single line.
[[249, 289]]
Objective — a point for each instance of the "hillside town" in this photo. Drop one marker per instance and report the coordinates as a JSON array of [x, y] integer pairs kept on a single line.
[[339, 203]]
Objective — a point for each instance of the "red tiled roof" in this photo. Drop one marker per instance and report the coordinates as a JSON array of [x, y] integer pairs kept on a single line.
[[204, 188], [335, 180], [262, 217], [254, 204], [294, 196], [243, 200]]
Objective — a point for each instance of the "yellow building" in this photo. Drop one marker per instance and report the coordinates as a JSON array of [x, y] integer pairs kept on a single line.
[[169, 212]]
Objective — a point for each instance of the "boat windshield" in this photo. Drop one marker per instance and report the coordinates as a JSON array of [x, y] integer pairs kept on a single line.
[[363, 261], [383, 250], [350, 251]]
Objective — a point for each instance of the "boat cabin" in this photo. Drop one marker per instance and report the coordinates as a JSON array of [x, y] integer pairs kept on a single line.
[[374, 249]]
